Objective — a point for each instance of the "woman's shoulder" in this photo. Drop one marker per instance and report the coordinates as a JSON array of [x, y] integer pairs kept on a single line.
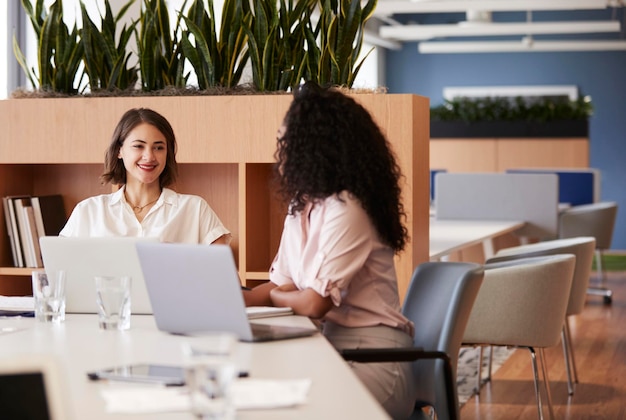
[[344, 203], [99, 199], [176, 197]]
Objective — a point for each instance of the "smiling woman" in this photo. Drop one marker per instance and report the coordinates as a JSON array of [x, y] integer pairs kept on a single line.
[[141, 160]]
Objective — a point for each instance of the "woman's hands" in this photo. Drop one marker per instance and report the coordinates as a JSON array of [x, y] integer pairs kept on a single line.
[[305, 302]]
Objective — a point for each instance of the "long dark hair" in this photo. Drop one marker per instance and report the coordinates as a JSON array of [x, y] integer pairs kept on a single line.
[[114, 170], [332, 144]]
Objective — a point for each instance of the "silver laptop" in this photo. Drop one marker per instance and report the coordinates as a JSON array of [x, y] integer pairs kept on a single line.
[[196, 289], [85, 258]]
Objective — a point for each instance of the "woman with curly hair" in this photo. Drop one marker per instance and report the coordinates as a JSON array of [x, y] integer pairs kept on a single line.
[[335, 262]]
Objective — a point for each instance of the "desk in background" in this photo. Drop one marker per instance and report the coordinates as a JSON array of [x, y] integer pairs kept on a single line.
[[449, 237], [81, 346]]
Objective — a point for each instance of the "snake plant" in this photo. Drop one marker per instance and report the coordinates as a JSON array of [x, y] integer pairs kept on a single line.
[[160, 59], [107, 64], [59, 51], [218, 61]]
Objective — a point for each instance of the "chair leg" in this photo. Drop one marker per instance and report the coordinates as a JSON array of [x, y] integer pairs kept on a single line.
[[533, 358], [601, 290], [546, 382], [480, 369], [569, 358], [479, 377], [490, 364], [570, 346]]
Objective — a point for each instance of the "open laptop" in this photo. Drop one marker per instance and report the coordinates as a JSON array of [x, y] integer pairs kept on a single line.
[[32, 386], [85, 258], [196, 289]]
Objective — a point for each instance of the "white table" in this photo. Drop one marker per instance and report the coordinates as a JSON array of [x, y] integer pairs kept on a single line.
[[448, 236], [81, 347]]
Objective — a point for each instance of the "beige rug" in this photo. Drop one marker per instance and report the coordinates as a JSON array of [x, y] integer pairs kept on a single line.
[[467, 368]]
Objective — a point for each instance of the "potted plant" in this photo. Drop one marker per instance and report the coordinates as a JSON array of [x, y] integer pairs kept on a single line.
[[506, 117]]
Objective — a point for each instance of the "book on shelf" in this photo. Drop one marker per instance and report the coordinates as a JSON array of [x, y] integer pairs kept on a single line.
[[24, 230], [15, 228], [49, 214], [27, 219], [12, 231], [33, 236]]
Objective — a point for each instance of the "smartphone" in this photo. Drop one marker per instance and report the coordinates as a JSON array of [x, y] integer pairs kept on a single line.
[[146, 373]]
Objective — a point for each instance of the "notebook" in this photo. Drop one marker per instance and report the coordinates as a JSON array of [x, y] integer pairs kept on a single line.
[[33, 387], [85, 258], [196, 289]]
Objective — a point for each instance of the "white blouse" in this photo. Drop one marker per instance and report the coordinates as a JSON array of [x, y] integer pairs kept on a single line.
[[180, 218]]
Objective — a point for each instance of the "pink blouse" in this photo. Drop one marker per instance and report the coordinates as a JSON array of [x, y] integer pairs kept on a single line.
[[333, 248]]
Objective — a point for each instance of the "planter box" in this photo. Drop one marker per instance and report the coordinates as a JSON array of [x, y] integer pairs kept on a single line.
[[510, 129], [226, 150]]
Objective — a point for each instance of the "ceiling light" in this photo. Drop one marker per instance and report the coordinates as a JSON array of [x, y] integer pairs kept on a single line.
[[464, 29], [391, 7], [526, 45]]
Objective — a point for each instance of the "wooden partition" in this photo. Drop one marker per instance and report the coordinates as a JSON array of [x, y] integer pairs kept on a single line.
[[225, 150], [500, 154]]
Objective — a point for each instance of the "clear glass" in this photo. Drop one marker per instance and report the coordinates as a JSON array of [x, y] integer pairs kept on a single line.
[[210, 364], [49, 295], [113, 297]]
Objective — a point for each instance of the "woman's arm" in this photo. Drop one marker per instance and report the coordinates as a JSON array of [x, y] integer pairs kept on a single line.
[[222, 240], [305, 302], [260, 295]]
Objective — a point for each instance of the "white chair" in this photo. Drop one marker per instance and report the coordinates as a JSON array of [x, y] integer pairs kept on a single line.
[[583, 248], [597, 220], [522, 303]]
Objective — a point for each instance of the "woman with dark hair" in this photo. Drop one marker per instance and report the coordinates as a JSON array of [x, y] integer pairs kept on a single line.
[[335, 261], [141, 159]]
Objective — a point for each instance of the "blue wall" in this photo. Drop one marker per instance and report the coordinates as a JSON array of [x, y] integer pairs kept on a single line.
[[601, 75]]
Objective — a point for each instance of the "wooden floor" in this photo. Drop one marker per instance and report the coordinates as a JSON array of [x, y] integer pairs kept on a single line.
[[599, 338]]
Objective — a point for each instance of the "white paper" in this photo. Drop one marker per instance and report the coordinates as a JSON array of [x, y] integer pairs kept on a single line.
[[255, 312], [247, 394], [17, 303]]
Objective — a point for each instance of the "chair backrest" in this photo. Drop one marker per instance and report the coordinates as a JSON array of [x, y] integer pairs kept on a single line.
[[438, 301], [597, 220], [582, 247], [522, 302]]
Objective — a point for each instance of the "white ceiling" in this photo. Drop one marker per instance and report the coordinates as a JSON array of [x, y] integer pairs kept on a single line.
[[435, 23]]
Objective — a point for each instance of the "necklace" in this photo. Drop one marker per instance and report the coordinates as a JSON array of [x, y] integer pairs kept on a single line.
[[139, 209]]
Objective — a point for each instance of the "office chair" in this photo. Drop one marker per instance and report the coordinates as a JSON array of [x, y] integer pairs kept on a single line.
[[597, 220], [522, 303], [583, 248], [438, 301]]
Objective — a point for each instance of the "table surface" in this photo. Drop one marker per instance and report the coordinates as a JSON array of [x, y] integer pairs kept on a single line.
[[80, 346], [447, 236]]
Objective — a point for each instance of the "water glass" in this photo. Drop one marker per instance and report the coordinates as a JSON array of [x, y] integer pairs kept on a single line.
[[49, 295], [210, 369], [113, 297]]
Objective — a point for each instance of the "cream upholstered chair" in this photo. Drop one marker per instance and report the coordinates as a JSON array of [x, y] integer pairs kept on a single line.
[[597, 220], [522, 303], [438, 301], [583, 248]]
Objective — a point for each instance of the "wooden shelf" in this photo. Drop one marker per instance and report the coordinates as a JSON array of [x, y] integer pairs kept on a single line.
[[226, 149], [15, 271]]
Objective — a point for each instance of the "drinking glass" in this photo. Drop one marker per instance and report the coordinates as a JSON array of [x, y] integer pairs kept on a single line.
[[210, 368], [49, 295], [113, 297]]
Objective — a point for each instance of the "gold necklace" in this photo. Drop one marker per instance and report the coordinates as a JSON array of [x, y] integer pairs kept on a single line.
[[139, 209]]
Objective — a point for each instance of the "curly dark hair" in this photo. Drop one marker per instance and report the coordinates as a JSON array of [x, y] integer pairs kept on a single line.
[[332, 144], [114, 170]]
